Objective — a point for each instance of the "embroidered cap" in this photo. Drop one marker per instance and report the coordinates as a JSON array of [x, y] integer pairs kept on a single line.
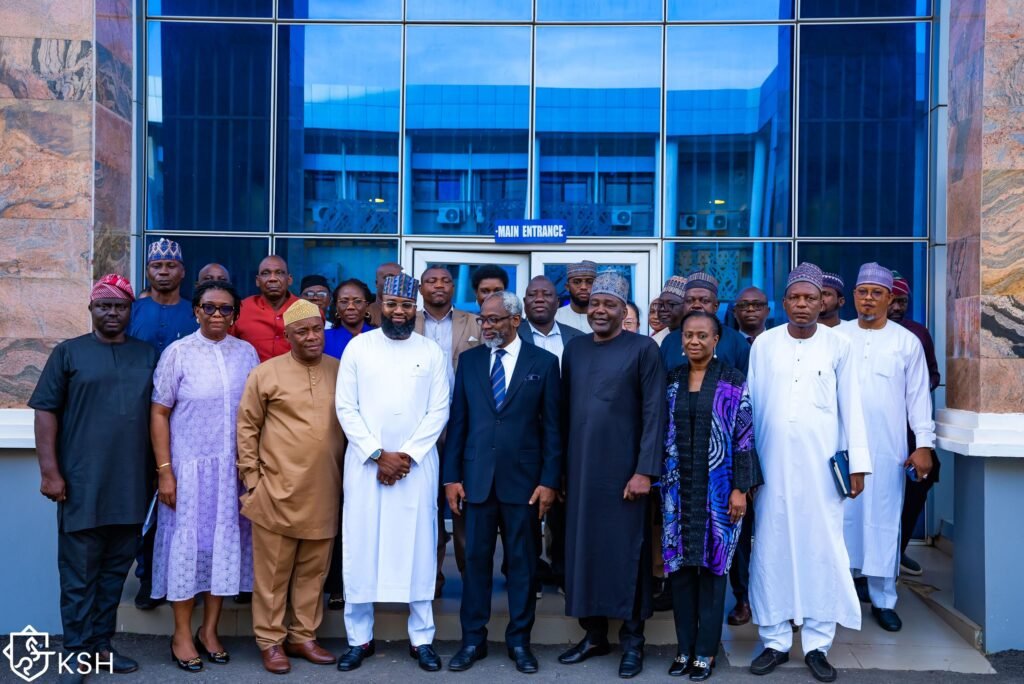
[[874, 274], [702, 279], [300, 309], [112, 286], [400, 285], [834, 281], [675, 285], [900, 285], [164, 250], [611, 283], [806, 273], [582, 269]]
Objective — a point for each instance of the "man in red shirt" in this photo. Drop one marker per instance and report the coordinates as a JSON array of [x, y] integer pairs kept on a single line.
[[261, 322]]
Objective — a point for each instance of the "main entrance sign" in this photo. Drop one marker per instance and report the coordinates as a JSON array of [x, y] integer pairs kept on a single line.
[[529, 232]]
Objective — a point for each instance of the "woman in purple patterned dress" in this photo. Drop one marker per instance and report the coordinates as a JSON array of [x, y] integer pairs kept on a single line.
[[710, 465], [203, 546]]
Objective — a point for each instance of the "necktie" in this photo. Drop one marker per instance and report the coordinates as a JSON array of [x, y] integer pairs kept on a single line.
[[498, 379]]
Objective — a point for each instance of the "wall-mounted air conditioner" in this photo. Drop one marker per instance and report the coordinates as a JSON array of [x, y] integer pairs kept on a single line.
[[449, 216], [622, 217]]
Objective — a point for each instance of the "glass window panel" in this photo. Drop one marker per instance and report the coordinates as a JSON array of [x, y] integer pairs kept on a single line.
[[467, 124], [599, 10], [729, 131], [810, 9], [462, 10], [208, 136], [336, 260], [863, 130], [557, 274], [909, 258], [737, 265], [464, 298], [338, 129], [211, 8], [598, 119], [241, 256], [340, 9], [726, 10]]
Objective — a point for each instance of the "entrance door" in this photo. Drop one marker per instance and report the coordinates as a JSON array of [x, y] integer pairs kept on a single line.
[[462, 265]]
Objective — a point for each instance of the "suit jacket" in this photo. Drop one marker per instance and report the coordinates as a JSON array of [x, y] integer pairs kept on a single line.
[[465, 332], [568, 332], [513, 449]]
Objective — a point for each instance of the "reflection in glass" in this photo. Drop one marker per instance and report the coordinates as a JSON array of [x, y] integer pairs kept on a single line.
[[737, 265], [336, 260], [864, 8], [464, 298], [469, 10], [599, 10], [909, 258], [863, 130], [210, 8], [598, 117], [729, 10], [338, 129], [208, 134], [728, 140], [467, 126], [333, 9], [240, 255], [558, 275]]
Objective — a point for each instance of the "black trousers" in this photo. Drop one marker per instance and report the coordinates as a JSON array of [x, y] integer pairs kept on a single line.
[[483, 522], [915, 496], [631, 633], [698, 607], [739, 573], [334, 584], [555, 518], [93, 565]]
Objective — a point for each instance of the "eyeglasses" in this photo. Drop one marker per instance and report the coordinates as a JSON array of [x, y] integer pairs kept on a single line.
[[751, 306], [690, 301], [865, 293], [491, 320], [314, 294], [345, 303], [666, 305], [404, 306], [226, 310]]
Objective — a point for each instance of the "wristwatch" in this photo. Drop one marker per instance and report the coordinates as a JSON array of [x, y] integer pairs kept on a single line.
[[375, 456]]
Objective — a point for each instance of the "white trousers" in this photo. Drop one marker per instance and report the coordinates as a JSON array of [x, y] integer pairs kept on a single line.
[[359, 623], [814, 635], [882, 591]]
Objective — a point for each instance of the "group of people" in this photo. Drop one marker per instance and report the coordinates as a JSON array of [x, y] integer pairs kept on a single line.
[[303, 445]]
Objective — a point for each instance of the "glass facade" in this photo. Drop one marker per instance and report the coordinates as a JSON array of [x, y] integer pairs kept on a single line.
[[739, 136]]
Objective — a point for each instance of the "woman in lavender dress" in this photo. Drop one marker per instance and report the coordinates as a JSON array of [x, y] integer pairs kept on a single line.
[[203, 546]]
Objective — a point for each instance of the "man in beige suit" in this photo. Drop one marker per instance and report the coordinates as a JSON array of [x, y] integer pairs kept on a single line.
[[454, 331], [290, 449]]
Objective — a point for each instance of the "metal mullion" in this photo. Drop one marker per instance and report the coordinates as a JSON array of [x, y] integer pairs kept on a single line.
[[402, 170], [532, 170], [794, 142], [272, 152]]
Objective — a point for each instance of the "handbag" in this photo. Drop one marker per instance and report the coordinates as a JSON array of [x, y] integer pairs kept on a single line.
[[840, 467]]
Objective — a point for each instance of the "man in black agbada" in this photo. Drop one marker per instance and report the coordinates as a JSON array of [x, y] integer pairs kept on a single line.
[[92, 439], [614, 388]]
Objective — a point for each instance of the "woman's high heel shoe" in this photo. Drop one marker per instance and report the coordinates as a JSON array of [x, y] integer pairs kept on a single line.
[[192, 665], [218, 658]]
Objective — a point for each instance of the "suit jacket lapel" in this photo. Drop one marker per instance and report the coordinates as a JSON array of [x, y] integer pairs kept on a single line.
[[483, 372], [523, 367]]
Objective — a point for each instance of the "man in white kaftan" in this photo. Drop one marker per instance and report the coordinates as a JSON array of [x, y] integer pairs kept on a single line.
[[893, 377], [804, 394], [392, 402]]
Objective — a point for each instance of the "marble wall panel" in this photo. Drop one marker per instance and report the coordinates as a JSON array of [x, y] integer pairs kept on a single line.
[[71, 19], [45, 159], [963, 207], [112, 195], [1003, 138], [1000, 387], [1002, 233], [1002, 328], [21, 361], [963, 263], [113, 83], [963, 390], [46, 68], [966, 327], [44, 307], [45, 250], [1004, 20], [114, 141], [114, 26], [1004, 74]]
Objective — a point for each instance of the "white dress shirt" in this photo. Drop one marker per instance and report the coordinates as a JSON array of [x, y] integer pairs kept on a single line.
[[508, 360], [552, 342]]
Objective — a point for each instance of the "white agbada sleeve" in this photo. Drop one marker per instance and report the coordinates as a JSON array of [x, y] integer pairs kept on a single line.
[[851, 414], [424, 438], [919, 400], [346, 403]]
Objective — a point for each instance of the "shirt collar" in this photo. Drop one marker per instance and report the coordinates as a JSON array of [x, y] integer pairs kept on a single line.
[[512, 350], [449, 316], [555, 330]]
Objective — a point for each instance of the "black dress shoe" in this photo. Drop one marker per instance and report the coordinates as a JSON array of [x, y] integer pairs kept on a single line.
[[680, 666], [426, 656], [217, 658], [243, 598], [632, 663], [861, 585], [355, 656], [887, 619], [821, 669], [466, 656], [524, 659], [701, 668], [190, 665], [768, 661], [583, 650]]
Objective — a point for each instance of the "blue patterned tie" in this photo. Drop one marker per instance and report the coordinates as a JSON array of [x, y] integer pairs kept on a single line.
[[498, 378]]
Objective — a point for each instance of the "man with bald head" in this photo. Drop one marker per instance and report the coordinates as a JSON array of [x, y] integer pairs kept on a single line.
[[383, 271], [213, 271], [541, 329], [751, 312], [261, 322]]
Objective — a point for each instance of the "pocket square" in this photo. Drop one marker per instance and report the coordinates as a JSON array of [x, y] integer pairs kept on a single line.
[[472, 339], [532, 376]]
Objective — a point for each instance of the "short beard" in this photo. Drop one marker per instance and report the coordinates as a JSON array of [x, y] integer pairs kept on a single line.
[[495, 341], [397, 332], [578, 303], [868, 318]]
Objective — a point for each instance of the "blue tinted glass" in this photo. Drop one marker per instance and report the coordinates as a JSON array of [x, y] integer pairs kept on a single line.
[[487, 10], [718, 10], [909, 258], [467, 125], [207, 152], [211, 8], [336, 260], [865, 8], [462, 277], [729, 131], [863, 130], [558, 275], [340, 9], [240, 256], [599, 10], [598, 119], [338, 129], [737, 265]]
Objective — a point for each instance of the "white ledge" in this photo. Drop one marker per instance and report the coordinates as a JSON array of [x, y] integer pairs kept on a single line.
[[996, 435], [17, 429]]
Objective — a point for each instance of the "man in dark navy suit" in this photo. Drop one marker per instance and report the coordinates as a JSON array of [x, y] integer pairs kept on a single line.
[[502, 468]]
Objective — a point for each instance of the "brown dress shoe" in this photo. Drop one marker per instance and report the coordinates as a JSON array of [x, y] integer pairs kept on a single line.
[[275, 661], [740, 615], [311, 651]]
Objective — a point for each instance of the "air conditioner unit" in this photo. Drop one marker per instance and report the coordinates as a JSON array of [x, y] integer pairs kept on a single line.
[[449, 216], [622, 217], [720, 221], [319, 210], [688, 223]]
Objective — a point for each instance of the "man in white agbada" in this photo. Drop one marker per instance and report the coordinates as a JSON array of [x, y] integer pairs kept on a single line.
[[804, 393], [893, 377], [392, 402]]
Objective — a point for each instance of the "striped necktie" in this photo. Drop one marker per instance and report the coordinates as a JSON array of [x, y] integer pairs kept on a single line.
[[498, 378]]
